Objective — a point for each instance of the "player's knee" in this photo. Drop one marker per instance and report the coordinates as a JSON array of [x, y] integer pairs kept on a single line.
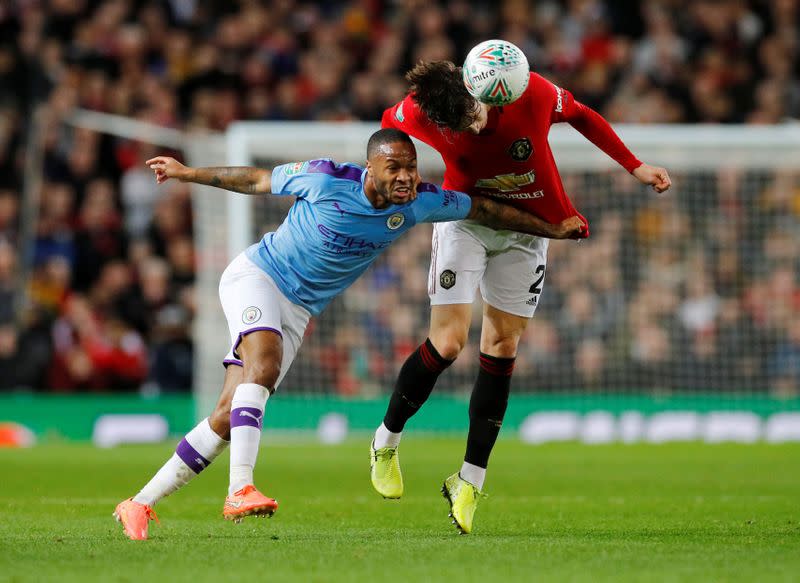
[[449, 344], [264, 372], [499, 345], [505, 347], [262, 353]]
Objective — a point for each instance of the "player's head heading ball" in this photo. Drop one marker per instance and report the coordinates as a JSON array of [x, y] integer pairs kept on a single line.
[[392, 166], [438, 89]]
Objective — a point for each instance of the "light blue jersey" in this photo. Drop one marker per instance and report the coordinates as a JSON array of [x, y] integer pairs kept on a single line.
[[332, 233]]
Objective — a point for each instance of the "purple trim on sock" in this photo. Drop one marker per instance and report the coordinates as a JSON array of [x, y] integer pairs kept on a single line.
[[331, 168], [247, 416], [191, 457], [244, 333], [228, 361]]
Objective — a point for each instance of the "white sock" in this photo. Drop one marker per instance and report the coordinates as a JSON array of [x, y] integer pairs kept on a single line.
[[247, 411], [473, 474], [193, 454], [386, 438]]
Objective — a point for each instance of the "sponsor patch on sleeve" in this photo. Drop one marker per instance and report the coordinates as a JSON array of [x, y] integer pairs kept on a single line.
[[559, 99], [296, 168], [450, 197]]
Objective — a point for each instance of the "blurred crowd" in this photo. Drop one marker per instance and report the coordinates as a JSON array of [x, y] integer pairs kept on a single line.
[[97, 264]]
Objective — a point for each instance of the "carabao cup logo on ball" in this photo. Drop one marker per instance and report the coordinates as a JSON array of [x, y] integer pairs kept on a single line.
[[496, 72]]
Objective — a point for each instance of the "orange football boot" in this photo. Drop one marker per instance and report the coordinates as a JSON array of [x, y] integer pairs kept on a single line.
[[248, 502], [134, 518]]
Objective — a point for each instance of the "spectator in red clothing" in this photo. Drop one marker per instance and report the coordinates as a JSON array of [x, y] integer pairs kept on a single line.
[[94, 354]]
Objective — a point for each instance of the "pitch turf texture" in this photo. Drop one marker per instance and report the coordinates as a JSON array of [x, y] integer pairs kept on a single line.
[[562, 512]]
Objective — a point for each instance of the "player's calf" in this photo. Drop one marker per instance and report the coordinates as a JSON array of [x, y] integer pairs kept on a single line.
[[487, 408], [413, 387]]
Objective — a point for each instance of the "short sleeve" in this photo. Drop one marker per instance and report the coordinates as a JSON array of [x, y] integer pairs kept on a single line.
[[285, 178], [434, 205], [313, 179]]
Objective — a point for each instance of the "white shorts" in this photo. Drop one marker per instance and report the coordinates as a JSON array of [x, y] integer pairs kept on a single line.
[[508, 266], [251, 302]]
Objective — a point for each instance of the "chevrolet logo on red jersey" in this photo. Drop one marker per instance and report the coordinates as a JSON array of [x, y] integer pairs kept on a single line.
[[506, 182]]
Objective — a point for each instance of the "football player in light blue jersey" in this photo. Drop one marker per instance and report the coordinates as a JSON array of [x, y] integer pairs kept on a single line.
[[343, 218], [335, 217]]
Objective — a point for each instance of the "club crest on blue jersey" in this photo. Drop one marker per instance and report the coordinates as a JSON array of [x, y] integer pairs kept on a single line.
[[395, 221], [251, 315]]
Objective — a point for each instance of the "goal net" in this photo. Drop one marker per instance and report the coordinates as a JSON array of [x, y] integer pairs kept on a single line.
[[685, 303]]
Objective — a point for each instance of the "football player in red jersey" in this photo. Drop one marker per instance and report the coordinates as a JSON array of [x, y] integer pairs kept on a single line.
[[500, 152]]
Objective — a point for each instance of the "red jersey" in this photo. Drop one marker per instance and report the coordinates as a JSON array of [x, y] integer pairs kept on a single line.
[[510, 159]]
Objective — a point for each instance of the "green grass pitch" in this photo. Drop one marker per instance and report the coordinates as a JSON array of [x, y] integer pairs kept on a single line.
[[562, 512]]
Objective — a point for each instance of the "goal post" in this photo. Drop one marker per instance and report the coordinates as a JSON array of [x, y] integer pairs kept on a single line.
[[688, 298]]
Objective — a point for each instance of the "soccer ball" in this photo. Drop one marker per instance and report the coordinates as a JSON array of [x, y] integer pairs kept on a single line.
[[496, 72]]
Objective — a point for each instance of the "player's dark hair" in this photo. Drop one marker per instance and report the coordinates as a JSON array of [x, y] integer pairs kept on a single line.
[[385, 136], [439, 91]]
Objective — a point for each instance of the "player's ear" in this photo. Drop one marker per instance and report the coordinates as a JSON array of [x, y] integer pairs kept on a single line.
[[369, 168]]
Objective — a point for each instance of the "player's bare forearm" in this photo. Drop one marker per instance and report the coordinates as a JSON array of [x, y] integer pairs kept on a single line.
[[503, 216], [242, 179]]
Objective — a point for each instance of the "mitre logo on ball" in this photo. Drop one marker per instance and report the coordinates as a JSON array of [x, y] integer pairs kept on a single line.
[[496, 72]]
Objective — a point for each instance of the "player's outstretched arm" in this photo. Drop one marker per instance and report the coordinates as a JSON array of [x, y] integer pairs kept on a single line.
[[502, 216], [598, 131], [244, 179]]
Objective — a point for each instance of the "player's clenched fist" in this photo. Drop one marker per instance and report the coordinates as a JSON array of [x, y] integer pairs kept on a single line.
[[655, 176], [571, 228], [166, 168]]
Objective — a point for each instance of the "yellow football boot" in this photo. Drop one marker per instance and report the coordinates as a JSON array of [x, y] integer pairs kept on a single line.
[[463, 499], [384, 465]]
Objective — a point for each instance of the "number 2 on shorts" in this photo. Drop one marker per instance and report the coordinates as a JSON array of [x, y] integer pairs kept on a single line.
[[535, 289]]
